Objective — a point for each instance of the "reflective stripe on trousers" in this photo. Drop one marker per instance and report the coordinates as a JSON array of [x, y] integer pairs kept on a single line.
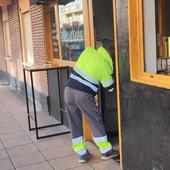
[[103, 144], [79, 146]]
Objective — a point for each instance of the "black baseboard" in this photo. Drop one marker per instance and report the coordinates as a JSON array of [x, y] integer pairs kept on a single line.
[[4, 78]]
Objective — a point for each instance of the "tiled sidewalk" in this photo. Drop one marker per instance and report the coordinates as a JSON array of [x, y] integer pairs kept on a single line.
[[20, 150]]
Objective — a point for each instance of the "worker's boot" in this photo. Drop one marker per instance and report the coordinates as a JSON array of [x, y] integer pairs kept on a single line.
[[110, 154], [84, 158]]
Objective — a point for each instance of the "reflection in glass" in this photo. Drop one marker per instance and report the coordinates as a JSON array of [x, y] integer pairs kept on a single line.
[[157, 36], [72, 29], [53, 13]]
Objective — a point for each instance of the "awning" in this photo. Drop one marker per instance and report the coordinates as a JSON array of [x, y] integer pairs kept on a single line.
[[63, 2], [41, 2], [46, 2], [5, 2]]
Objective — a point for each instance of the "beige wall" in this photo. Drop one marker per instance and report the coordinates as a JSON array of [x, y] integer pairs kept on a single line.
[[2, 48]]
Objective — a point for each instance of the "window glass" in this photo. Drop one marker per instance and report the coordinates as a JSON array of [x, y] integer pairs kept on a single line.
[[156, 36], [28, 38], [72, 29], [54, 35]]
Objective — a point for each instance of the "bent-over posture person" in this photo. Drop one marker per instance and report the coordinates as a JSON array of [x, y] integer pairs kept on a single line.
[[94, 67]]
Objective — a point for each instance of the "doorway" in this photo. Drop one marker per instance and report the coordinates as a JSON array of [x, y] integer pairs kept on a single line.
[[104, 36]]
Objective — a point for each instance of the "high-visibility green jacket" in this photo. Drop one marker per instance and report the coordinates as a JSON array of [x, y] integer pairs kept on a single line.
[[92, 68]]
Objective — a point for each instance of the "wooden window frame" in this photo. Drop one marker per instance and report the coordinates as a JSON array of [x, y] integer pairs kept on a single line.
[[24, 7], [136, 41], [24, 36], [88, 32], [49, 46]]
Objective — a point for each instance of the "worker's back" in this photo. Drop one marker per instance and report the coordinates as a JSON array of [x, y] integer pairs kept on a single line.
[[92, 68], [93, 62]]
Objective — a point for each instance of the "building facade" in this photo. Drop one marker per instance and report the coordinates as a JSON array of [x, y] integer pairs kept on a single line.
[[40, 32]]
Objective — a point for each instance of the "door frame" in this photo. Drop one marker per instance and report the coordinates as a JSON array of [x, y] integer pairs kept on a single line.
[[91, 42], [117, 80]]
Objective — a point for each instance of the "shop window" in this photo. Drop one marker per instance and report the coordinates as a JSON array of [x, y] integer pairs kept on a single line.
[[28, 50], [157, 41], [53, 30], [71, 29], [150, 41]]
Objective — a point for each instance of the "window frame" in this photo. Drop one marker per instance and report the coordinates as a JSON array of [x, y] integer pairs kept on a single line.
[[136, 49], [6, 33], [24, 8], [25, 37], [88, 32]]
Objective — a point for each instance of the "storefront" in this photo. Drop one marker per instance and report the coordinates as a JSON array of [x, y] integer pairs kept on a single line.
[[56, 32], [138, 33]]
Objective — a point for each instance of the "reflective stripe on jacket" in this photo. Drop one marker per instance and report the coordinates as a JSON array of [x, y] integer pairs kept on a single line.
[[95, 66]]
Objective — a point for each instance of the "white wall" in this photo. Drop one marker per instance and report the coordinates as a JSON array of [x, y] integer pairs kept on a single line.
[[150, 36]]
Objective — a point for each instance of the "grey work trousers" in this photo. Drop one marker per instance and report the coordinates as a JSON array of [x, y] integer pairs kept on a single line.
[[79, 103]]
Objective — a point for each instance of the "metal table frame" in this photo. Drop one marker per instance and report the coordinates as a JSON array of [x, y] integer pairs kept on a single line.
[[34, 117]]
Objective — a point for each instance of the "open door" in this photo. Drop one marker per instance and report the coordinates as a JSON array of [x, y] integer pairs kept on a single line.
[[104, 36], [103, 27]]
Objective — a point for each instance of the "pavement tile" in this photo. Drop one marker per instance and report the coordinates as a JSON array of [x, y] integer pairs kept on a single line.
[[8, 125], [21, 150], [84, 167], [9, 129], [49, 143], [32, 135], [6, 164], [3, 109], [17, 141], [104, 165], [4, 120], [3, 154], [95, 156], [65, 138], [5, 115], [39, 166], [65, 163], [27, 159], [7, 121], [1, 145], [58, 152], [91, 146], [13, 135]]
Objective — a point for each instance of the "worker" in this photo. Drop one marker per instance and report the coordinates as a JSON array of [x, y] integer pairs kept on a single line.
[[93, 67]]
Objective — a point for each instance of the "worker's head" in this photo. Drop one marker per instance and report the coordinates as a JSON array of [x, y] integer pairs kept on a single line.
[[104, 53]]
